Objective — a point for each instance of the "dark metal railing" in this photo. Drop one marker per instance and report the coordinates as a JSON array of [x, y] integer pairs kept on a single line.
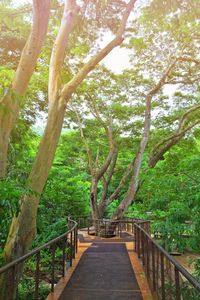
[[66, 243], [81, 220], [109, 228], [167, 279]]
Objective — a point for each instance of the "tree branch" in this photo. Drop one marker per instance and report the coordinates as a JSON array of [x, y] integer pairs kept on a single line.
[[133, 185], [106, 182], [189, 59], [123, 181], [10, 101], [57, 57], [71, 86], [186, 81], [88, 151], [33, 46], [165, 144]]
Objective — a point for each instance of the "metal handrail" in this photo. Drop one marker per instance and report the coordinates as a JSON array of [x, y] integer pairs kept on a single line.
[[145, 246], [36, 250], [117, 226], [155, 259], [69, 239]]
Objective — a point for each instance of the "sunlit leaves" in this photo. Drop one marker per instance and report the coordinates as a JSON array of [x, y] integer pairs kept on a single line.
[[137, 43]]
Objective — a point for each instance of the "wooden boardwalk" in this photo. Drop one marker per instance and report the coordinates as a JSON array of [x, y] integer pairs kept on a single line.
[[104, 272], [104, 269]]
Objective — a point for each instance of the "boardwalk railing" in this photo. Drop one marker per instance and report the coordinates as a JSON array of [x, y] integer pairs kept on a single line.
[[109, 228], [167, 279], [49, 261]]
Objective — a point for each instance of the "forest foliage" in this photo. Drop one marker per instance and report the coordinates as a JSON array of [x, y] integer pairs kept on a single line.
[[168, 189]]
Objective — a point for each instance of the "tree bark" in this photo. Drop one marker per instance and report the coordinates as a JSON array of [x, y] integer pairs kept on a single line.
[[22, 230], [103, 203], [166, 144], [23, 227], [10, 103], [123, 181], [133, 185], [96, 176]]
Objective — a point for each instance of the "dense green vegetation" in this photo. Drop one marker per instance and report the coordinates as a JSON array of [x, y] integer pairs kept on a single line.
[[106, 117]]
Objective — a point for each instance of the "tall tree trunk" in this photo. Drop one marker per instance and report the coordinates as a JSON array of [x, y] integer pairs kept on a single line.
[[93, 198], [133, 185], [22, 230], [10, 103], [23, 227], [103, 203]]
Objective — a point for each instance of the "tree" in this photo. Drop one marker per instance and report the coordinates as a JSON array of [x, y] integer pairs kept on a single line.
[[22, 230], [10, 102], [102, 116], [164, 33]]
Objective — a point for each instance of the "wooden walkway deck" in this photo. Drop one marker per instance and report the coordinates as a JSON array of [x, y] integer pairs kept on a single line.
[[104, 269]]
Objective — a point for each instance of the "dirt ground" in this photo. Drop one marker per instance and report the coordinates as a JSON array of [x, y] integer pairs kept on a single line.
[[187, 260]]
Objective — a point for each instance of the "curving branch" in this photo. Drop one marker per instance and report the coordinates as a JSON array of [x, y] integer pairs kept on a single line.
[[10, 104], [71, 86], [58, 52], [122, 182], [103, 203], [164, 145], [134, 181], [109, 132], [95, 112], [32, 47], [112, 146], [186, 81], [189, 59], [88, 151]]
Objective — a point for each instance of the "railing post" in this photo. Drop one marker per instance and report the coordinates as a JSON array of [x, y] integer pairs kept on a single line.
[[142, 246], [63, 258], [117, 229], [177, 284], [149, 228], [153, 266], [162, 275], [157, 268], [76, 239], [120, 229], [13, 276], [74, 242], [139, 242], [71, 249], [53, 267], [88, 226], [135, 237], [147, 256], [37, 276]]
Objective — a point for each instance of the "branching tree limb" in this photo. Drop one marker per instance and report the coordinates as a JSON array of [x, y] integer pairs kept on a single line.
[[164, 145], [134, 181], [103, 203], [189, 59], [88, 151], [185, 81], [99, 172], [122, 183], [10, 104], [71, 86], [22, 230]]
